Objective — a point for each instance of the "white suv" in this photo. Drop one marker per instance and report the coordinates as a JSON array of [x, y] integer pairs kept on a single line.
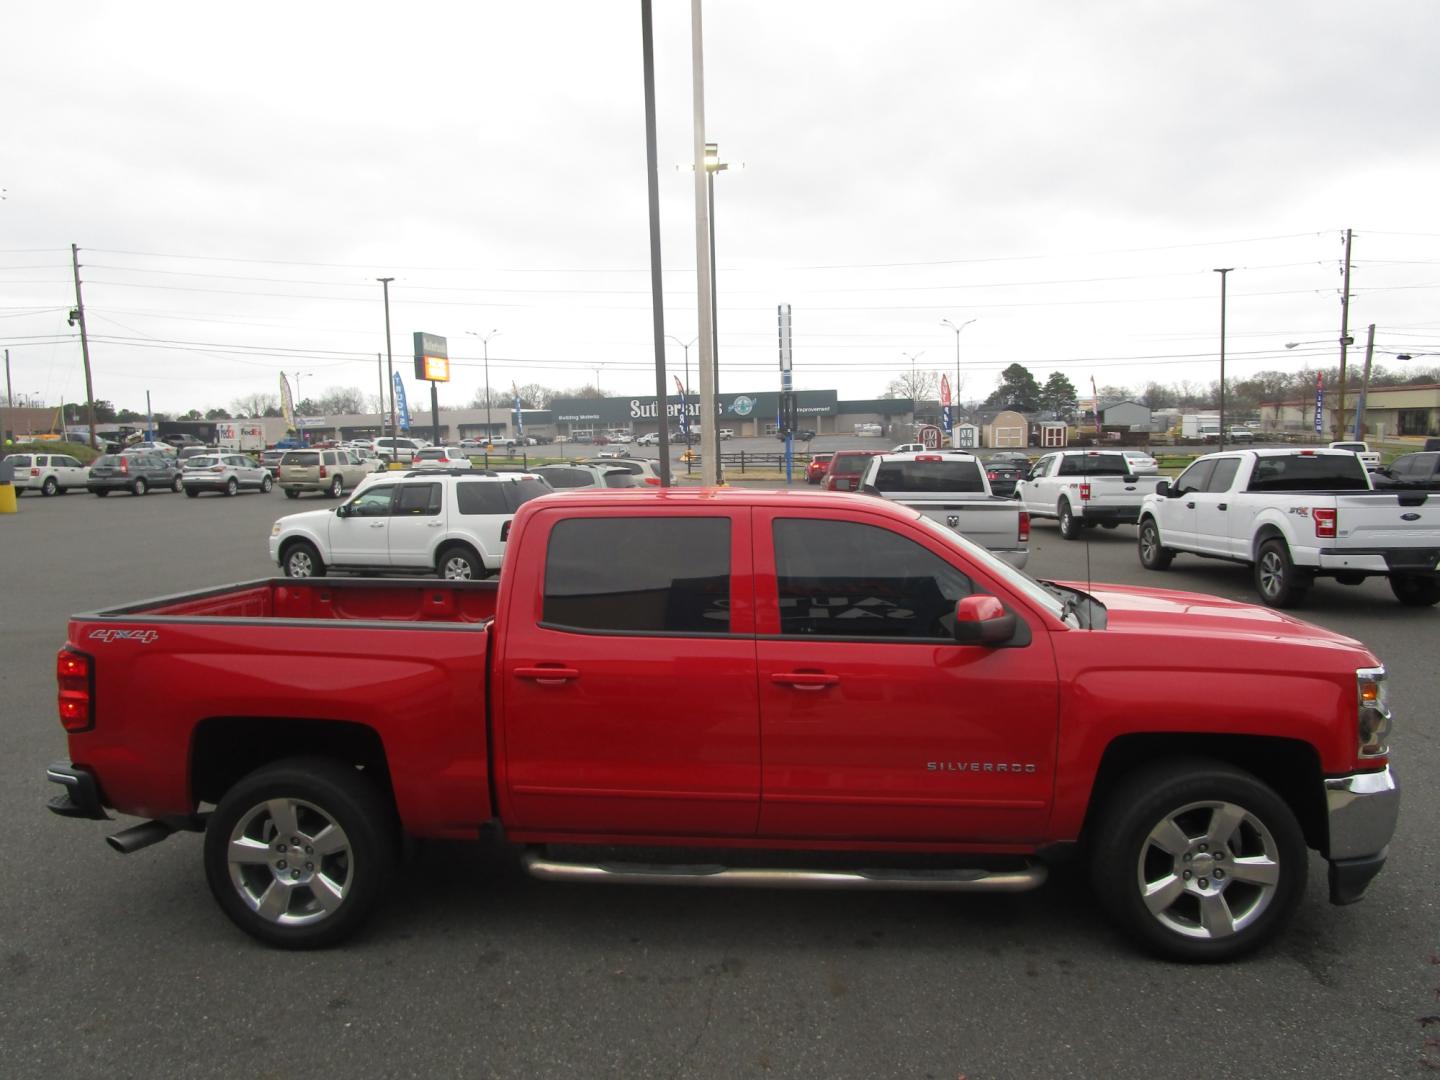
[[421, 523], [48, 473]]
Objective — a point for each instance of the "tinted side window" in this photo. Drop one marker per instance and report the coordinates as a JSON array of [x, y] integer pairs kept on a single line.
[[844, 579], [1195, 477], [300, 457], [567, 478], [661, 575], [1224, 474], [480, 498], [417, 500], [522, 491], [373, 502]]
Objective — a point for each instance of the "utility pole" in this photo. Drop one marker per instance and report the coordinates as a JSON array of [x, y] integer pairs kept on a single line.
[[1364, 384], [9, 400], [1345, 339], [657, 288], [380, 402], [78, 315], [389, 364], [1224, 275], [709, 416]]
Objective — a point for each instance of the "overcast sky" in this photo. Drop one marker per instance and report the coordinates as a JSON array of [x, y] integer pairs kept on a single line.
[[1066, 174]]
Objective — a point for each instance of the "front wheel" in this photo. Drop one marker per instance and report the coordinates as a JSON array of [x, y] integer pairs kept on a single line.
[[301, 560], [1280, 585], [1198, 860], [1153, 556], [298, 853], [231, 486], [337, 488], [1069, 525], [177, 485], [1413, 591], [266, 484]]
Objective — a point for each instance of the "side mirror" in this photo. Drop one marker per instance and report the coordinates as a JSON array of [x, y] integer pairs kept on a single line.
[[870, 489], [1162, 488], [983, 620], [343, 510]]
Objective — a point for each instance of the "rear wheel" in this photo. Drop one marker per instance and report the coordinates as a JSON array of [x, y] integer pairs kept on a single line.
[[298, 853], [458, 564], [1198, 860], [1413, 591], [101, 492], [1069, 526], [290, 493], [1153, 556], [301, 560], [1280, 585], [139, 487]]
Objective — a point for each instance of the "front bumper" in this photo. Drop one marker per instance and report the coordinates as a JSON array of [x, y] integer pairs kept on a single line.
[[1362, 811]]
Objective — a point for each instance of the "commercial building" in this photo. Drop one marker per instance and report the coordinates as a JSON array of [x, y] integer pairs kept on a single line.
[[1390, 411]]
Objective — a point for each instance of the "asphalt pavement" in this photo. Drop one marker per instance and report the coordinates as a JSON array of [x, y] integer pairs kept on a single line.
[[122, 966]]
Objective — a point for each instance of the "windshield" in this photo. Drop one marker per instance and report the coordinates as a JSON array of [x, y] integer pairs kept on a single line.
[[1021, 583]]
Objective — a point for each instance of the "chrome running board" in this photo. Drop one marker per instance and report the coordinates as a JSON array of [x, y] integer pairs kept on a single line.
[[967, 879]]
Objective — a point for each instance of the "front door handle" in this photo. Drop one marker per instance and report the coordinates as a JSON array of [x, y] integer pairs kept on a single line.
[[1189, 506], [435, 525], [378, 525], [1223, 506], [547, 676], [804, 680]]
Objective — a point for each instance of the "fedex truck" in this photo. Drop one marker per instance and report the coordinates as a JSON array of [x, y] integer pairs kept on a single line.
[[240, 435]]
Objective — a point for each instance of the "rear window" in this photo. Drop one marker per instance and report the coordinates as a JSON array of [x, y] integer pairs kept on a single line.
[[937, 476], [431, 455], [20, 461], [1094, 465], [481, 497], [659, 575], [850, 464], [108, 461], [567, 478], [300, 457], [1312, 472], [201, 462], [522, 491]]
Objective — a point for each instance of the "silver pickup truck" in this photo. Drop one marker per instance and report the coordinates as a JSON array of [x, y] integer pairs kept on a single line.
[[951, 488], [1081, 488]]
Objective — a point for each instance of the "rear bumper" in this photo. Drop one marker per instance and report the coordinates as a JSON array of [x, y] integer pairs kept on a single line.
[[1121, 515], [1425, 561], [81, 795], [1362, 811]]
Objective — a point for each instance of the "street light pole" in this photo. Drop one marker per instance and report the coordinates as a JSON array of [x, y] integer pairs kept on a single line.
[[390, 366], [955, 390], [485, 343], [1224, 273]]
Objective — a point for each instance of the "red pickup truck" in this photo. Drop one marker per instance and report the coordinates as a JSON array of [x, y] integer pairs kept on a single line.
[[777, 689]]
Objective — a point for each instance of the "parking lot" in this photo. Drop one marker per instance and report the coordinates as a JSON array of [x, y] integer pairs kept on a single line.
[[122, 965]]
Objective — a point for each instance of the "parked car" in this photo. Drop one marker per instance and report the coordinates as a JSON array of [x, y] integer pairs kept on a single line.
[[226, 474], [579, 475], [650, 438], [1369, 458], [1015, 457], [1083, 488], [49, 474], [815, 468], [1413, 472], [520, 440], [441, 457], [135, 472], [909, 448], [1003, 476], [644, 470], [393, 449], [453, 525], [1239, 434], [845, 469], [614, 452], [328, 471], [180, 442], [150, 448], [1141, 463], [270, 459]]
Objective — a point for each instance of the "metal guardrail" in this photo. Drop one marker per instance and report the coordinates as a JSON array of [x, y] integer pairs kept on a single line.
[[740, 460]]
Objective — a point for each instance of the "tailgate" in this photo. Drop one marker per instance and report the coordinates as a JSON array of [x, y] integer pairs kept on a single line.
[[1114, 491], [995, 525], [1390, 520]]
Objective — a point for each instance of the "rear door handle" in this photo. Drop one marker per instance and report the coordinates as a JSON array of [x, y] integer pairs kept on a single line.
[[804, 680], [1223, 506], [378, 525], [547, 676]]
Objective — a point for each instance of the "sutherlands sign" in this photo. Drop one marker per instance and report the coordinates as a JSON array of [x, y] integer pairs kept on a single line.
[[730, 407]]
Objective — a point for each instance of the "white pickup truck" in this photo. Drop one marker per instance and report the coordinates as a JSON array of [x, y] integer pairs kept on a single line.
[[952, 490], [1295, 515], [1082, 488]]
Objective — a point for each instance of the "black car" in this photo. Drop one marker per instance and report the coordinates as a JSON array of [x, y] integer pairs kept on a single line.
[[1003, 476], [801, 435], [1410, 472], [137, 473]]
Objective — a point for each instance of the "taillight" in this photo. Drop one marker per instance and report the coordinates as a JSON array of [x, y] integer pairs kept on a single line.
[[1084, 492], [991, 475], [1325, 521], [323, 473], [1024, 526], [652, 480], [74, 676], [34, 472], [125, 466], [928, 457]]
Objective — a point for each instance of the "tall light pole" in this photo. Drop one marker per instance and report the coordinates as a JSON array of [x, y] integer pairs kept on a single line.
[[713, 164], [390, 364], [704, 292], [485, 343], [1224, 273], [914, 384], [596, 369], [955, 390]]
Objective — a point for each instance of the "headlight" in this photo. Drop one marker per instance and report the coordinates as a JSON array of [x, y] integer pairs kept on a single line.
[[1372, 701], [275, 529]]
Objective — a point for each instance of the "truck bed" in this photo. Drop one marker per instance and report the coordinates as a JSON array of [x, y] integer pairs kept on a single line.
[[356, 599]]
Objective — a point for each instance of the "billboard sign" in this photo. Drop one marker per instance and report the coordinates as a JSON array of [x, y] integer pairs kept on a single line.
[[432, 357]]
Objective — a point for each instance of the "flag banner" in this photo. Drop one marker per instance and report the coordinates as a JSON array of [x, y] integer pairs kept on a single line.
[[945, 403], [684, 408], [402, 407], [1096, 397], [287, 403], [519, 418], [1320, 402]]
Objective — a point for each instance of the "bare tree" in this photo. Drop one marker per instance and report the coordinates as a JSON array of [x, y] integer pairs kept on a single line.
[[916, 385], [341, 401], [254, 405]]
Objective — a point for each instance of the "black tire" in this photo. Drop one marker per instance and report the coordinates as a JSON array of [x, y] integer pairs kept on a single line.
[[139, 487], [290, 493], [1208, 820], [1069, 526], [319, 900], [1415, 591], [101, 492], [1153, 555], [232, 486], [301, 560], [193, 493], [1280, 585], [50, 487], [177, 485], [265, 485], [459, 564], [337, 487]]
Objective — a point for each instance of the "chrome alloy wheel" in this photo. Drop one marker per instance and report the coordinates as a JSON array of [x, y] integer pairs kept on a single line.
[[1208, 870], [456, 568], [299, 564], [290, 862], [1272, 573]]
